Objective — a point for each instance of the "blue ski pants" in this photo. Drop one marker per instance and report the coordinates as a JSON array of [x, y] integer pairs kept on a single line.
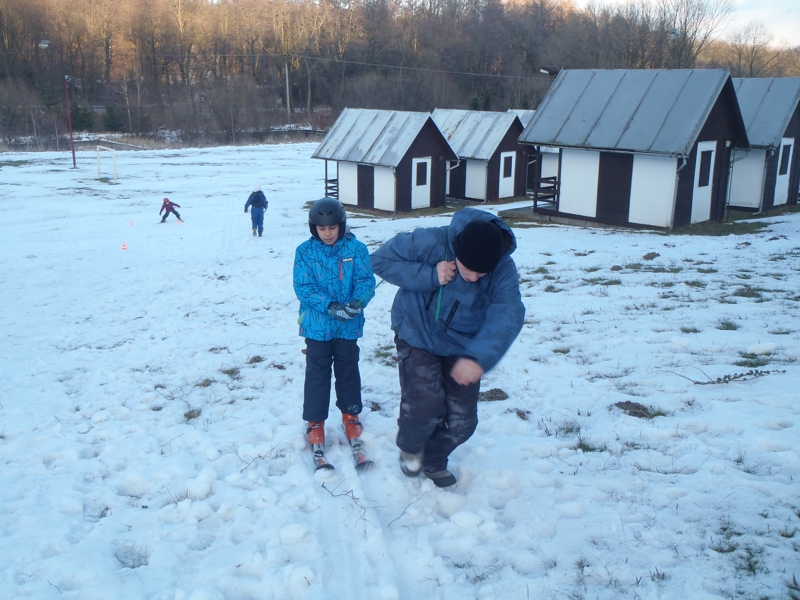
[[320, 356], [257, 217]]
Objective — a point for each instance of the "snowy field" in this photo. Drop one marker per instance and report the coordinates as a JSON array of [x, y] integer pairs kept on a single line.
[[150, 402]]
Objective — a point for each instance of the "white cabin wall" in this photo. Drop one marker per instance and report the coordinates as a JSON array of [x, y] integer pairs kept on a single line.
[[653, 190], [579, 171]]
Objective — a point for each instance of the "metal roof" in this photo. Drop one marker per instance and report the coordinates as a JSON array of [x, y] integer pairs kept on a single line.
[[767, 106], [373, 137], [473, 133], [524, 115], [648, 111]]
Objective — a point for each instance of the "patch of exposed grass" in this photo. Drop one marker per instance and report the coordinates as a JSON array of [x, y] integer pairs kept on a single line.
[[689, 329], [696, 283], [747, 292], [192, 413], [781, 331], [205, 382], [591, 269], [633, 266], [727, 325], [551, 289], [585, 446], [716, 229], [706, 271], [232, 372], [752, 361], [541, 271], [561, 350], [254, 360], [386, 354]]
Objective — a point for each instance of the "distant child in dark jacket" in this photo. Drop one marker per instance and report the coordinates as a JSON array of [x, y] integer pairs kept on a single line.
[[334, 282], [457, 312], [169, 207], [258, 202]]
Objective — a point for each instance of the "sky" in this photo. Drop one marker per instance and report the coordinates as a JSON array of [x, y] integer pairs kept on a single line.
[[781, 17], [151, 442]]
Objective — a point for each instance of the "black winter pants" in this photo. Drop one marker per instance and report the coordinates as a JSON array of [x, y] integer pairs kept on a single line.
[[343, 355], [436, 414]]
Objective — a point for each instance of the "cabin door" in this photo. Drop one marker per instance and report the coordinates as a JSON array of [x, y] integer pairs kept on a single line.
[[703, 181], [508, 164], [420, 182], [784, 170]]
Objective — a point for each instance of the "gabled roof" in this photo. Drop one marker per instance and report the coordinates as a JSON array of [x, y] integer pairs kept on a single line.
[[767, 106], [525, 115], [373, 137], [648, 111], [473, 133]]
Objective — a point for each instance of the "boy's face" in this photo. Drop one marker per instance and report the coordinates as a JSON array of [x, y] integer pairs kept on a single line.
[[467, 274], [328, 233]]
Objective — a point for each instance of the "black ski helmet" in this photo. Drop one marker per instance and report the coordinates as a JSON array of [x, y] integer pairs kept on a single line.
[[327, 211]]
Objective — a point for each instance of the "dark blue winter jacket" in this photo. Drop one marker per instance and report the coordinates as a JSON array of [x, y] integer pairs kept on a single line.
[[257, 200], [325, 274], [478, 320]]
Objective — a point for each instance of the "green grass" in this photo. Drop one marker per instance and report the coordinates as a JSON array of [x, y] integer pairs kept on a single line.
[[752, 361], [696, 283], [689, 329]]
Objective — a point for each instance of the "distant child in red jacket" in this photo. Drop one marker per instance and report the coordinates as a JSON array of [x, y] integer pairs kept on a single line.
[[169, 207]]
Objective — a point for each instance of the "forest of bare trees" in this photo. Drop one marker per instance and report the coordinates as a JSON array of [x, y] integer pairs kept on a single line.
[[228, 70]]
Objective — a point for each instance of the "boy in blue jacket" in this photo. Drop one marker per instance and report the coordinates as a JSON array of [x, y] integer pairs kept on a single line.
[[259, 203], [334, 282], [457, 311]]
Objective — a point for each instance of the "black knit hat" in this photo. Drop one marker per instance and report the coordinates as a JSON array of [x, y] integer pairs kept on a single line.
[[479, 246]]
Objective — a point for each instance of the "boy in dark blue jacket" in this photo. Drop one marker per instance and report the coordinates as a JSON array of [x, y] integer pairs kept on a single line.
[[334, 282], [258, 202], [457, 312]]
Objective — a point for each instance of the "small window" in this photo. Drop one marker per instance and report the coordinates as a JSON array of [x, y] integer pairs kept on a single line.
[[785, 152], [508, 162], [705, 168], [422, 173]]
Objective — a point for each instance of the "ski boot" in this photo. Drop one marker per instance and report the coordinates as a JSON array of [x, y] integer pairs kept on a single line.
[[353, 430], [315, 433]]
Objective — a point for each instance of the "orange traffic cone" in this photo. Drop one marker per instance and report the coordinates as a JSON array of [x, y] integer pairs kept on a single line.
[[124, 247]]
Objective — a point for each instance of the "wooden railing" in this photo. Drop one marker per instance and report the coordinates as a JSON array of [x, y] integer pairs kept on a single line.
[[545, 192]]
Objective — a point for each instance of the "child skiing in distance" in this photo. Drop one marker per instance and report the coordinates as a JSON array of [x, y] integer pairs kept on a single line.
[[334, 282], [258, 202], [169, 207]]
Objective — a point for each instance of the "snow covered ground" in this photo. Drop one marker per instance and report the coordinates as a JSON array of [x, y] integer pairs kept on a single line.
[[150, 398]]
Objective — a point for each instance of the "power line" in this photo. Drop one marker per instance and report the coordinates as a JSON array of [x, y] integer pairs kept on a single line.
[[535, 76]]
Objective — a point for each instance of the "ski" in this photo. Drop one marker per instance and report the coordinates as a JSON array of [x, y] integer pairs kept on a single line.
[[359, 455], [320, 462]]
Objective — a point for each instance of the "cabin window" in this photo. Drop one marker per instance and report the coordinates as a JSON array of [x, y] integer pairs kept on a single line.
[[785, 152], [705, 168], [508, 162], [422, 173]]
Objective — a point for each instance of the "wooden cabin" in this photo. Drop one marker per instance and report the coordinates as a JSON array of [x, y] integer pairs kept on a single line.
[[767, 175], [491, 163], [387, 160], [638, 147]]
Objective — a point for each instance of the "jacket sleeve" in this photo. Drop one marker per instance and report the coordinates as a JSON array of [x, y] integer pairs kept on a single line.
[[249, 202], [163, 206], [504, 318], [178, 205], [409, 260], [363, 278], [305, 284]]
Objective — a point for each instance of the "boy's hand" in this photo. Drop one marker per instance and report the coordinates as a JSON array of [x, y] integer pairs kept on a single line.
[[446, 271], [342, 312], [466, 371], [353, 309]]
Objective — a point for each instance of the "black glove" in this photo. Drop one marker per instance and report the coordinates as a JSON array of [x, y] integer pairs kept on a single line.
[[245, 210], [343, 312]]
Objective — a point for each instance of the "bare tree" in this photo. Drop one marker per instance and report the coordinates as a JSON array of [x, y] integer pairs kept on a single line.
[[752, 54]]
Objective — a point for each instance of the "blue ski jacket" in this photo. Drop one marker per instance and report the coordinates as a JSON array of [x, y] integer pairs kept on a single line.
[[479, 320], [257, 200], [325, 274]]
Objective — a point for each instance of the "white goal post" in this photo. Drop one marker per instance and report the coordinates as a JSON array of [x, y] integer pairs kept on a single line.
[[113, 160]]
